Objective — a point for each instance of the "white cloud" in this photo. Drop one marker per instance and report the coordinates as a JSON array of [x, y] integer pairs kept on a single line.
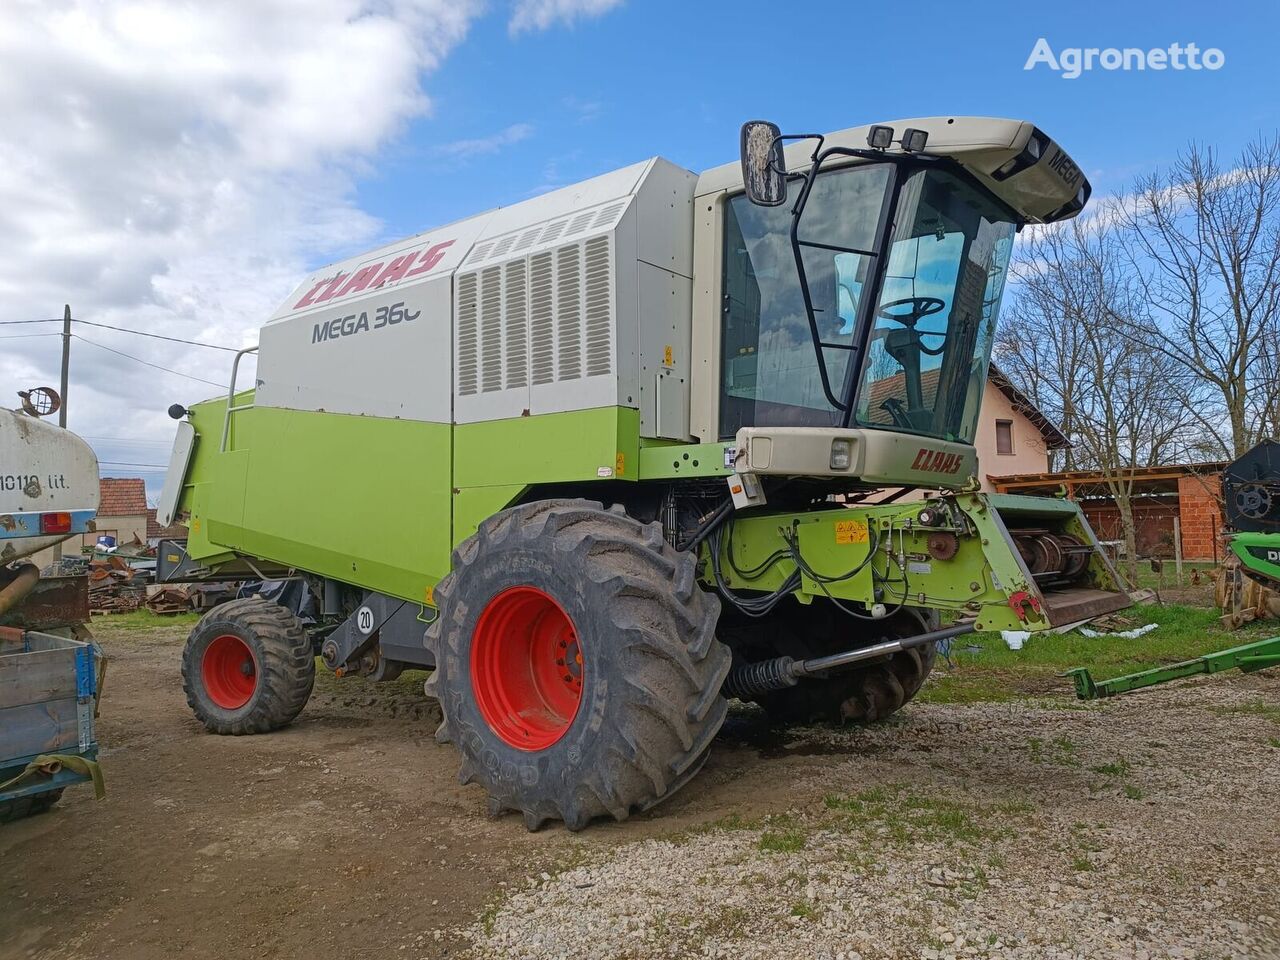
[[460, 150], [177, 168], [540, 14]]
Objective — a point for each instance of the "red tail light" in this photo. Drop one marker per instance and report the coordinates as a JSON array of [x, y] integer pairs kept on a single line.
[[55, 523]]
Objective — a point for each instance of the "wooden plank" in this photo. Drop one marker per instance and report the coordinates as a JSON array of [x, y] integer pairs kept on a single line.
[[47, 641], [37, 676], [38, 728]]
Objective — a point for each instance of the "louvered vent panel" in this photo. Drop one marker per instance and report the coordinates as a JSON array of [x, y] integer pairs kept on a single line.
[[467, 346], [553, 231], [526, 239], [599, 320], [503, 245], [516, 308], [579, 223], [480, 252], [569, 312], [491, 329], [542, 318], [608, 213]]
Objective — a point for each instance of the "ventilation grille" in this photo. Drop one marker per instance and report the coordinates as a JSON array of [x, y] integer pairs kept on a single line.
[[559, 230], [467, 353], [542, 319]]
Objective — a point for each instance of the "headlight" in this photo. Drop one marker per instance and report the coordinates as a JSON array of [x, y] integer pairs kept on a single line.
[[841, 453]]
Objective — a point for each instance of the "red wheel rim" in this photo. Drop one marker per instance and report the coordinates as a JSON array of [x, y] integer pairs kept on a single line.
[[229, 672], [526, 668]]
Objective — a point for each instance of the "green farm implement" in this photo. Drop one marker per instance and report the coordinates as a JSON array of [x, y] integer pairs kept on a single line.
[[1251, 495]]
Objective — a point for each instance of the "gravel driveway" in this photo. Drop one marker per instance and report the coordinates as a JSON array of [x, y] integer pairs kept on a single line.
[[1142, 827]]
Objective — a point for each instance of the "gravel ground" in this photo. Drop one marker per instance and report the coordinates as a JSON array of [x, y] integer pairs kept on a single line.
[[1143, 827], [1146, 826]]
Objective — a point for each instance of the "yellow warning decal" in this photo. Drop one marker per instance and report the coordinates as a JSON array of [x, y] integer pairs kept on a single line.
[[668, 356], [620, 464], [851, 531]]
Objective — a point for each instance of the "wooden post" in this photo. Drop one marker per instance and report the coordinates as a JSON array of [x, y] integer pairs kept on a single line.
[[1177, 547]]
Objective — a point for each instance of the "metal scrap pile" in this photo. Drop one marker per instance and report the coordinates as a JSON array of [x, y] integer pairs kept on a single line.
[[114, 586], [169, 600]]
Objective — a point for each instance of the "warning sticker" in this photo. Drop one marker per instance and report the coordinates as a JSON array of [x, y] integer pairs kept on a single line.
[[851, 531]]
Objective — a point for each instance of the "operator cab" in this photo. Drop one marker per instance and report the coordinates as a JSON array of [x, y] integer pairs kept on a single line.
[[861, 290]]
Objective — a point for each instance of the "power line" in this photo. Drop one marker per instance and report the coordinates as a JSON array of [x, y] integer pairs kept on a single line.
[[157, 336], [27, 336], [147, 363], [136, 333], [124, 440], [125, 463]]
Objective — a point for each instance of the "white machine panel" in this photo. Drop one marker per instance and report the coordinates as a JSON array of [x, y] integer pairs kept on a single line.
[[575, 299], [552, 314]]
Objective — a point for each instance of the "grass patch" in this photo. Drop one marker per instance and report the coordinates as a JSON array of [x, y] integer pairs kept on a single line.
[[1118, 769], [1082, 864], [804, 910], [781, 841], [1274, 741], [1132, 792], [142, 619], [996, 673], [906, 817], [1254, 708]]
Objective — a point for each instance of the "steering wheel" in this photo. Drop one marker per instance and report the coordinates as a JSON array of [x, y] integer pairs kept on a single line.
[[921, 307]]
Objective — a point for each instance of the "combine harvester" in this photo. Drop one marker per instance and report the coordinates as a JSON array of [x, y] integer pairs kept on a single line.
[[49, 665], [612, 455]]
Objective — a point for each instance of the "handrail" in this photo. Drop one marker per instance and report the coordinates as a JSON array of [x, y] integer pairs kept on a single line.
[[231, 397]]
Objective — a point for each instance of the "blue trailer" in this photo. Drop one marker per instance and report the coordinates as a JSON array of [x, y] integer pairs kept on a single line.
[[49, 688]]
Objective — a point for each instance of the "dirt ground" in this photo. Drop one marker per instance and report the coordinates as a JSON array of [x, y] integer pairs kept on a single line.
[[1140, 828]]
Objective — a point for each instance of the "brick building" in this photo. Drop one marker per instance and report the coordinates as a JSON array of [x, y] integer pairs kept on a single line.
[[1191, 493]]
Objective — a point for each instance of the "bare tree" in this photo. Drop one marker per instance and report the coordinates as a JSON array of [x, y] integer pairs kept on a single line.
[[1068, 342], [1203, 244]]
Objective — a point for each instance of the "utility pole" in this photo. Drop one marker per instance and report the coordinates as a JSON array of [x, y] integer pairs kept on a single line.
[[66, 363], [62, 392]]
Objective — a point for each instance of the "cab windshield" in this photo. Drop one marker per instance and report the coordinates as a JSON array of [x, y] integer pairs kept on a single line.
[[921, 367]]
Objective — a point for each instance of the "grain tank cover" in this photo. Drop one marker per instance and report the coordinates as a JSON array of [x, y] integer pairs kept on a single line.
[[575, 299]]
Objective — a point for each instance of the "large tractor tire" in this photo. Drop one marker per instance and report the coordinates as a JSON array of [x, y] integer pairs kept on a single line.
[[577, 666], [248, 667], [862, 694]]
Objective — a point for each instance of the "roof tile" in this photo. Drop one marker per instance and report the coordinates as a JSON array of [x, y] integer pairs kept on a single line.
[[122, 497]]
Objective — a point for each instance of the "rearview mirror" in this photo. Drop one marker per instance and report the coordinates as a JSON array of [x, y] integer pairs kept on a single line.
[[764, 168]]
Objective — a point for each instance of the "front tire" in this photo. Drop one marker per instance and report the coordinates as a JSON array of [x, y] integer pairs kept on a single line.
[[576, 663], [248, 667]]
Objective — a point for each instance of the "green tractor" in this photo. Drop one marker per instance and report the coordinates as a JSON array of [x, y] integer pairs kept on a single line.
[[609, 457]]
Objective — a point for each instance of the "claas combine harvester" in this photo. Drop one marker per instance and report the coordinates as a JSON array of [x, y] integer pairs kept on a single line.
[[611, 456]]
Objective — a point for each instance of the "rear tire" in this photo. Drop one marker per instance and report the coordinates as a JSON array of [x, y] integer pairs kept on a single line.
[[863, 694], [577, 667], [248, 667], [28, 806]]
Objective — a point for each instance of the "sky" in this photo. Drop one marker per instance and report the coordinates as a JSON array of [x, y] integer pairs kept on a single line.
[[178, 168]]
